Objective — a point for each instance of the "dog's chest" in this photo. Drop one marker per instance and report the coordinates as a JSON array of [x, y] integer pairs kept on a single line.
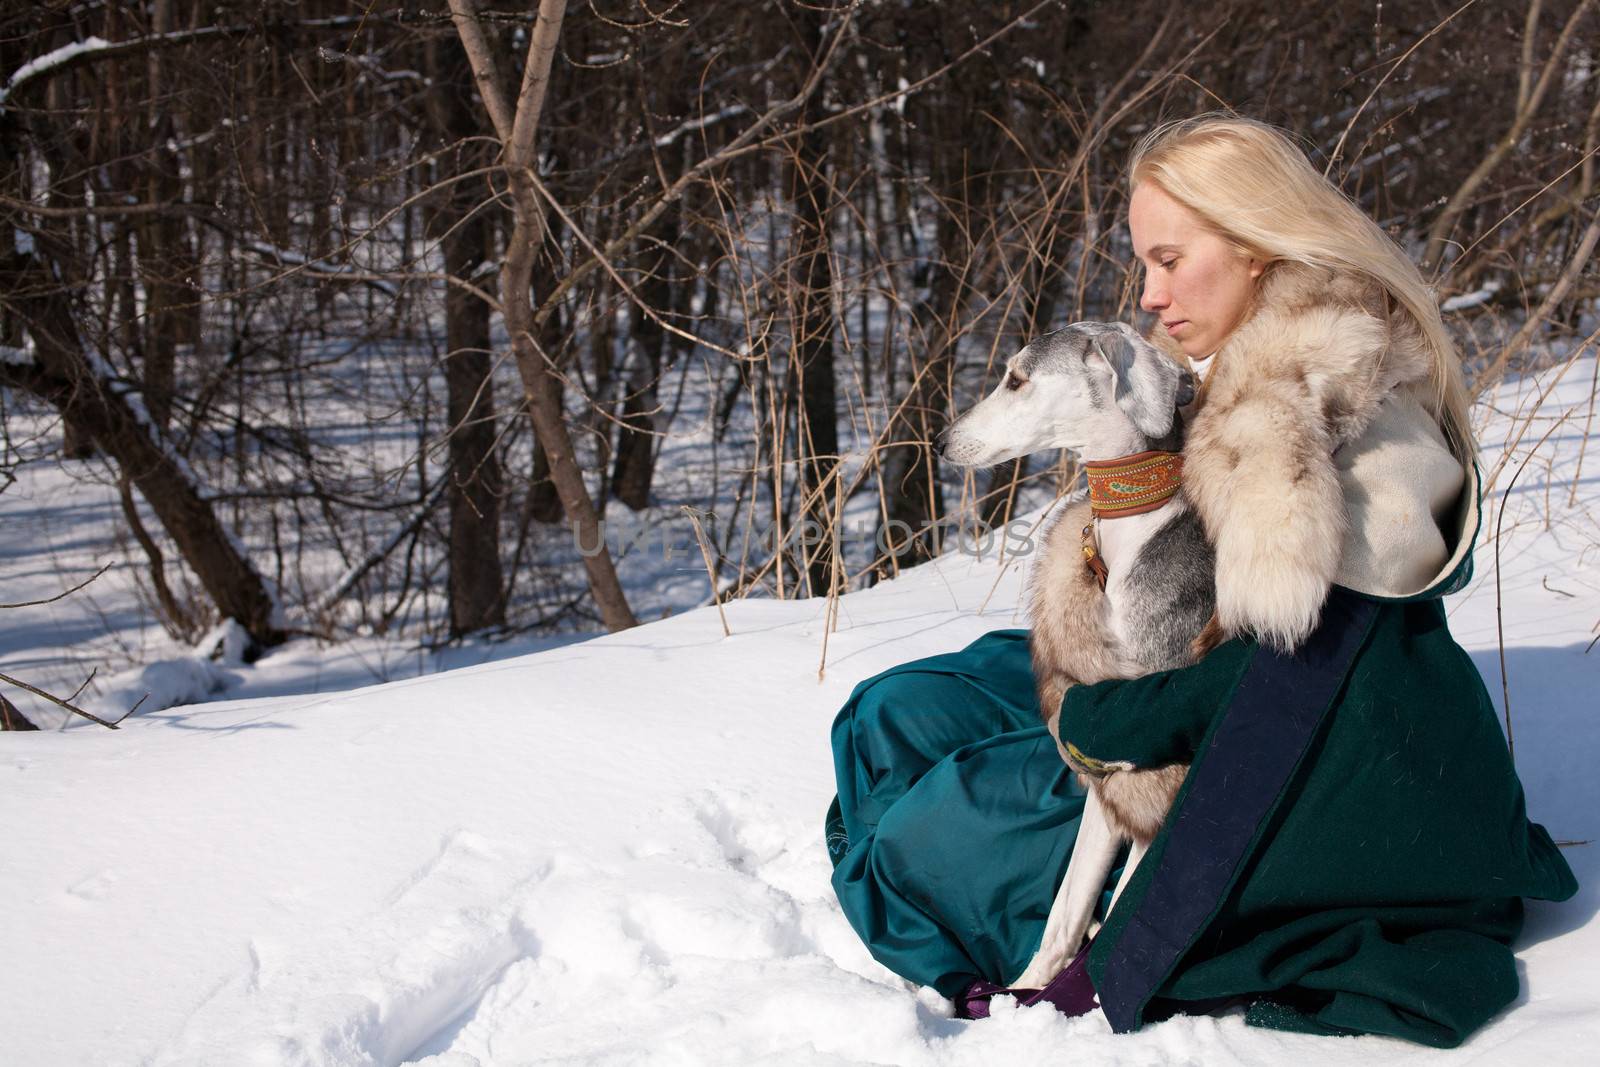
[[1124, 545], [1160, 591]]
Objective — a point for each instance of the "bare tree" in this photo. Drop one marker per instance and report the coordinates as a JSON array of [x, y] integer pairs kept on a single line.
[[517, 127]]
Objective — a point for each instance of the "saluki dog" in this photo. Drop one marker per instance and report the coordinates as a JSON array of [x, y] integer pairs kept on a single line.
[[1110, 397]]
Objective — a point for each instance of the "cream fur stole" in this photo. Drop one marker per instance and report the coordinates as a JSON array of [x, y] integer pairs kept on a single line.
[[1305, 374]]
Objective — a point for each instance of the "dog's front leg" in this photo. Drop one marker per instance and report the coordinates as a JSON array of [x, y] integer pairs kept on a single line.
[[1092, 856], [1135, 855]]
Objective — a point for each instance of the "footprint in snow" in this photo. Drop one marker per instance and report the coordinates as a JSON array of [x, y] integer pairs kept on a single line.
[[378, 988]]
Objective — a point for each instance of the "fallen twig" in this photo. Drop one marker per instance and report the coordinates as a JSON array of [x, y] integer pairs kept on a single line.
[[6, 678]]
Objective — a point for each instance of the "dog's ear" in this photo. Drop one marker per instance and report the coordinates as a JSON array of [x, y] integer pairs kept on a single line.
[[1146, 391]]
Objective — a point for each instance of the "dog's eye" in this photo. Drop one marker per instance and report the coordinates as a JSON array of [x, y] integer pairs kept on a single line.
[[1013, 382]]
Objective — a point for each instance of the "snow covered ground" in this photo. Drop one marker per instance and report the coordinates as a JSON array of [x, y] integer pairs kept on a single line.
[[610, 851]]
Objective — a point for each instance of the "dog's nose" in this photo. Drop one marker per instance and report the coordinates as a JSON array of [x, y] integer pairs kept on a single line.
[[941, 441]]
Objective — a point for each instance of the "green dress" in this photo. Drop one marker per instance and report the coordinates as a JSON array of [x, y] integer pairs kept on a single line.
[[1349, 852]]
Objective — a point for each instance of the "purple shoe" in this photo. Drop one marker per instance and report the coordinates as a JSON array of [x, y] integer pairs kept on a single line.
[[973, 1001], [1070, 992]]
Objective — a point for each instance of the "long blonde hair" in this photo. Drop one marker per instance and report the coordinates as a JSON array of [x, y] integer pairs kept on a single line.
[[1248, 182]]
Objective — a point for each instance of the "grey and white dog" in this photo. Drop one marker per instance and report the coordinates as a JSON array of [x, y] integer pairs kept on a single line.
[[1101, 391]]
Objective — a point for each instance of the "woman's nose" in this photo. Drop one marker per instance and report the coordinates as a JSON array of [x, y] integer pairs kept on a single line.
[[1155, 296]]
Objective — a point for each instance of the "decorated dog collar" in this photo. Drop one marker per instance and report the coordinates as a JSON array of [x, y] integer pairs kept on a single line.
[[1129, 485], [1133, 485]]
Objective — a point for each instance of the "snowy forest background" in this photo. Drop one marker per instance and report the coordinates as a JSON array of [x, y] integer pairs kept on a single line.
[[467, 326]]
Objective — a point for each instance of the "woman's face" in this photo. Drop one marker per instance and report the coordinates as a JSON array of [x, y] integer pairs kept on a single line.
[[1194, 280]]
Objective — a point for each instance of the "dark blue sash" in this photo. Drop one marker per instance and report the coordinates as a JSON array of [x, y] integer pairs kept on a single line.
[[1230, 795]]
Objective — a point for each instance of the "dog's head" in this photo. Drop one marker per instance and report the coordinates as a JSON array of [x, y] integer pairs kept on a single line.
[[1095, 388]]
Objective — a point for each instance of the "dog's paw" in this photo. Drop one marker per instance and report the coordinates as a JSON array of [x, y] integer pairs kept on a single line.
[[1045, 965], [1039, 972]]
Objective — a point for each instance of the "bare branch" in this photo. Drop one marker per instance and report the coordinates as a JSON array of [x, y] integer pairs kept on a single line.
[[60, 596], [1333, 156], [464, 13], [535, 80], [1527, 107]]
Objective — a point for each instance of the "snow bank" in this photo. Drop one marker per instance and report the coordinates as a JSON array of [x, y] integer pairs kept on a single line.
[[164, 684]]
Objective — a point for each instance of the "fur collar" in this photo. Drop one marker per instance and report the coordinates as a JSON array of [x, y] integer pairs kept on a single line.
[[1305, 374]]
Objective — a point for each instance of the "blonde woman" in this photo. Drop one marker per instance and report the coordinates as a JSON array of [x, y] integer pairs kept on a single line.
[[1350, 850]]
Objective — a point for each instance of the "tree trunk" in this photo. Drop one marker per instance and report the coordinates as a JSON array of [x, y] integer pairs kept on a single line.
[[809, 189], [11, 718], [634, 468], [158, 239], [476, 581], [544, 503], [661, 287], [911, 469]]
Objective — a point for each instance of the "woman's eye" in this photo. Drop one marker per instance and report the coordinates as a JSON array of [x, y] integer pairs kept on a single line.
[[1168, 264]]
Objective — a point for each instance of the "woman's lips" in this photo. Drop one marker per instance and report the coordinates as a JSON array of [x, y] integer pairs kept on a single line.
[[1174, 327]]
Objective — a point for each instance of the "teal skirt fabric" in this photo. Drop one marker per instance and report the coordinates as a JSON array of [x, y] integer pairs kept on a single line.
[[955, 816]]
